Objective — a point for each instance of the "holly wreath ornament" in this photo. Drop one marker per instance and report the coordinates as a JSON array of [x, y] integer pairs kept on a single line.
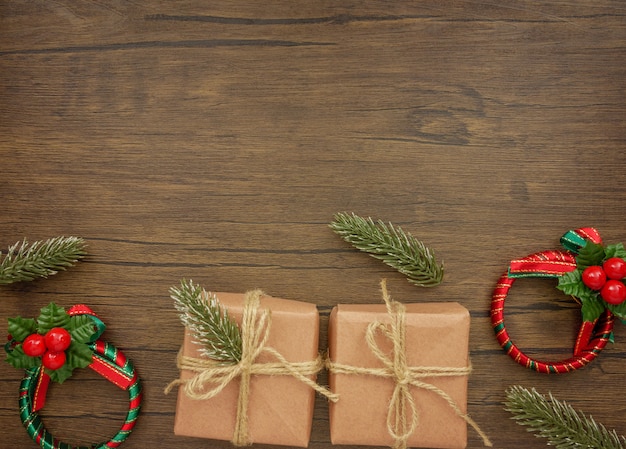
[[50, 347], [586, 269]]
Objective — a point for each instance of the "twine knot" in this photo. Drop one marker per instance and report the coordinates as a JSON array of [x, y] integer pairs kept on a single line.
[[212, 377], [403, 378], [402, 415]]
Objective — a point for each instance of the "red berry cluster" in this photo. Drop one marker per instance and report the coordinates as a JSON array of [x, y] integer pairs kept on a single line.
[[607, 279], [50, 347]]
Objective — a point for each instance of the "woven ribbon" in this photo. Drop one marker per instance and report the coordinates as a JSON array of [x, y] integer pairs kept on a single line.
[[402, 416], [212, 377]]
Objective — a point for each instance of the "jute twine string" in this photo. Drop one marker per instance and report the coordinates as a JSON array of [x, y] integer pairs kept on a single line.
[[255, 331], [402, 415]]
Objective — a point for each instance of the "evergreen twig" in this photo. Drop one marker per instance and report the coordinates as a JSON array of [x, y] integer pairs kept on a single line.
[[201, 312], [564, 427], [24, 262], [396, 248]]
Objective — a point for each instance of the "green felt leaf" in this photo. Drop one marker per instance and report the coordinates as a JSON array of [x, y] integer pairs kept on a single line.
[[19, 360], [52, 316], [592, 308], [20, 328], [81, 328], [79, 355], [619, 310], [589, 255], [60, 375], [571, 284], [616, 250]]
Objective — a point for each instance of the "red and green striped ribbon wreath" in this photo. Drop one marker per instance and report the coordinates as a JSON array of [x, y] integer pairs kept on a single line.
[[110, 363], [593, 336]]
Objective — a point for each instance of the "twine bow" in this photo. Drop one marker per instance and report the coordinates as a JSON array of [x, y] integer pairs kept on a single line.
[[402, 415], [212, 377]]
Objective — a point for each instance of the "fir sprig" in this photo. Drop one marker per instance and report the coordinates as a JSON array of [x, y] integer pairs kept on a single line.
[[564, 427], [24, 262], [201, 312], [396, 248]]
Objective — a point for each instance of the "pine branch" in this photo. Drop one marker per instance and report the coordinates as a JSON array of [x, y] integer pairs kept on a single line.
[[24, 262], [392, 245], [209, 322], [564, 427]]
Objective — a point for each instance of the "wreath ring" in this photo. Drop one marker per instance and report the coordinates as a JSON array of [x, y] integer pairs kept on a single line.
[[106, 360], [593, 336]]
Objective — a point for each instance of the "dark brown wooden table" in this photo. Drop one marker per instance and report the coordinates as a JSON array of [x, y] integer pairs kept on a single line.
[[215, 141]]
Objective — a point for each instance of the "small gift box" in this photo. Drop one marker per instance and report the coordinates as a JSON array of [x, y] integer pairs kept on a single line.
[[279, 403], [400, 372]]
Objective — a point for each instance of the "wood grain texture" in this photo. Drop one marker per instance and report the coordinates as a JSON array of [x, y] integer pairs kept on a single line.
[[215, 141]]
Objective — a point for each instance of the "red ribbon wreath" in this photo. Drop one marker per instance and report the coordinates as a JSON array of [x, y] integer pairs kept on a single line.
[[593, 336]]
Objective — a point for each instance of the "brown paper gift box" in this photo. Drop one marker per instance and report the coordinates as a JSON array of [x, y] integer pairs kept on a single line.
[[281, 407], [437, 334]]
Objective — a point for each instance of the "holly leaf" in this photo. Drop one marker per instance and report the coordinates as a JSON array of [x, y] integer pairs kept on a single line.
[[618, 310], [19, 360], [79, 355], [589, 255], [571, 284], [60, 375], [592, 308], [20, 328], [52, 316], [616, 250], [81, 328]]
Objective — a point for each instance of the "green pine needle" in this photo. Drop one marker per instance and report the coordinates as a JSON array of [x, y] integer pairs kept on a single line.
[[209, 322], [396, 248], [564, 427], [24, 262]]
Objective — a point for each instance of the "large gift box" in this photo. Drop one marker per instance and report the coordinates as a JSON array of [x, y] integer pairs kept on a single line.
[[435, 341], [280, 408]]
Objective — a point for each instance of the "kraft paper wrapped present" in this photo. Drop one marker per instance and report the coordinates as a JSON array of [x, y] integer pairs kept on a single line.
[[280, 407], [435, 343]]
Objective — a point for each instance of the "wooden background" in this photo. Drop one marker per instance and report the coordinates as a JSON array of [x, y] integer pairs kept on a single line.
[[215, 141]]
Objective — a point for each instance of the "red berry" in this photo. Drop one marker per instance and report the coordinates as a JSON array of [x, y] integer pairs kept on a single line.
[[594, 277], [53, 360], [615, 268], [58, 339], [34, 345], [613, 292]]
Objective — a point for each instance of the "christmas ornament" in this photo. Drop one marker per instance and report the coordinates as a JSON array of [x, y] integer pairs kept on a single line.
[[564, 427], [396, 248], [49, 348], [588, 271]]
